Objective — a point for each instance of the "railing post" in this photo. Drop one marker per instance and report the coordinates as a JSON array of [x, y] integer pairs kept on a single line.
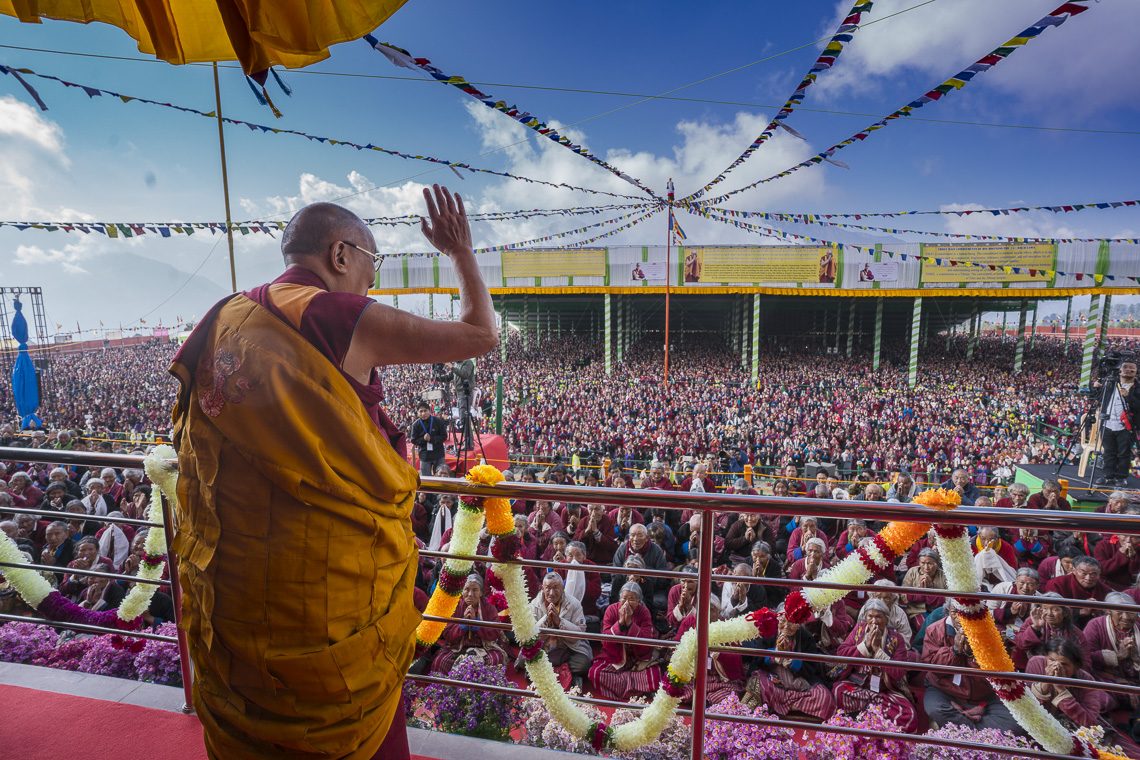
[[704, 602], [176, 593]]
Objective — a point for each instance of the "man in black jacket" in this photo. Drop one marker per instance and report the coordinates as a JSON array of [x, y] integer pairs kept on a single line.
[[428, 434], [1119, 412]]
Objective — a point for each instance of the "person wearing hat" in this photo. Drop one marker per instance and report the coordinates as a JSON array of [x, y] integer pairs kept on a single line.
[[428, 434]]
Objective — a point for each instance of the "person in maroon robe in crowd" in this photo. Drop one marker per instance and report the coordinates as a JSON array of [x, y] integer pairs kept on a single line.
[[459, 639], [1061, 563], [849, 539], [1083, 583], [699, 480], [1031, 546], [796, 487], [807, 528], [742, 534], [1018, 497], [1049, 498], [1119, 558], [544, 522], [725, 670], [681, 602], [1113, 640], [597, 532], [656, 480], [624, 670], [1046, 622], [877, 682], [622, 518]]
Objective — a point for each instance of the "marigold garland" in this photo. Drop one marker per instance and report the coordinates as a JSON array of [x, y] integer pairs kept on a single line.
[[800, 606]]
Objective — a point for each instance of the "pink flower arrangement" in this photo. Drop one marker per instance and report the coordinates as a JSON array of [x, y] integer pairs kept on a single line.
[[847, 747], [103, 657], [726, 740], [158, 661]]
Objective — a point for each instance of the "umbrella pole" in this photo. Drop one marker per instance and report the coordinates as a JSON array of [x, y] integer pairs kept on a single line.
[[225, 179]]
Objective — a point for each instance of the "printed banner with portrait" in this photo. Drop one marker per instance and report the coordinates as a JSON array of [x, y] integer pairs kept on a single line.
[[879, 271], [766, 263]]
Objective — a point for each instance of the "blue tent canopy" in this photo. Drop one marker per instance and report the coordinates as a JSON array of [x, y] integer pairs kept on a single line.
[[25, 384]]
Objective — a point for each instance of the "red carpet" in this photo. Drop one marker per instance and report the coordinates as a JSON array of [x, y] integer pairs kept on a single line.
[[43, 725]]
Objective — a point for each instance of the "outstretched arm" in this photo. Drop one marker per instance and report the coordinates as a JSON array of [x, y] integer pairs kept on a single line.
[[386, 335]]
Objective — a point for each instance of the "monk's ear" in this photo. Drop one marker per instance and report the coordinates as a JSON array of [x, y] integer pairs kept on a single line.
[[338, 254]]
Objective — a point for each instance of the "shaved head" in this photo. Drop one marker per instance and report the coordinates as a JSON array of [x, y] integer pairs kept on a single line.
[[318, 225]]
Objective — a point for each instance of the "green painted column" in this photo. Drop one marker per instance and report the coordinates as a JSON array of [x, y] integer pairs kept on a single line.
[[1090, 340], [755, 338], [1106, 320], [850, 327], [1033, 329], [878, 333], [431, 306], [451, 305], [975, 328], [1019, 351], [915, 328], [503, 334], [609, 335], [396, 301], [526, 323], [620, 329], [1068, 318], [745, 334]]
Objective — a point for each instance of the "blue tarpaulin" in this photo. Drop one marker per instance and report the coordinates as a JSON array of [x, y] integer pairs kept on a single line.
[[25, 384]]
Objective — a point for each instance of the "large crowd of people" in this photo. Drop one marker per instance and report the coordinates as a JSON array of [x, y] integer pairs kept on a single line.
[[818, 425]]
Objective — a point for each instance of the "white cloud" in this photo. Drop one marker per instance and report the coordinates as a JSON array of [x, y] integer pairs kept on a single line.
[[1086, 63], [24, 123]]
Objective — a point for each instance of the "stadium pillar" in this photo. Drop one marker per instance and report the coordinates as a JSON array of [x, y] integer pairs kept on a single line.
[[431, 306], [451, 306], [1004, 316], [755, 338], [1019, 351], [609, 346], [745, 343], [396, 301], [526, 322], [915, 327], [620, 329], [538, 324], [1105, 321], [975, 328], [1090, 340], [850, 327], [1033, 329], [1068, 320], [878, 333], [502, 332]]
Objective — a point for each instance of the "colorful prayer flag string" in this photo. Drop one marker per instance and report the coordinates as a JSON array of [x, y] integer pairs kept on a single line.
[[825, 61], [404, 59], [94, 92], [1058, 209], [1056, 17]]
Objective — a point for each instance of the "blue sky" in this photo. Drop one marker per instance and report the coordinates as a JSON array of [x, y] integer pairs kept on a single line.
[[99, 159]]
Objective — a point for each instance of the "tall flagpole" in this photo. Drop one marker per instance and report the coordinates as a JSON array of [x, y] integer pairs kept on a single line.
[[225, 178], [668, 274]]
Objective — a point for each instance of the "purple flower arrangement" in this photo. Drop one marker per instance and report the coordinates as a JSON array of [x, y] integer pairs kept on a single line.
[[470, 712], [158, 661], [847, 747], [107, 657], [26, 642], [988, 736], [66, 656], [543, 731], [749, 741]]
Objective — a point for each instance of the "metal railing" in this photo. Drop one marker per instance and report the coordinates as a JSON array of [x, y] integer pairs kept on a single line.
[[701, 503]]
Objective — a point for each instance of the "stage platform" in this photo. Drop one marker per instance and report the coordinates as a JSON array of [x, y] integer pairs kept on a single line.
[[1082, 493]]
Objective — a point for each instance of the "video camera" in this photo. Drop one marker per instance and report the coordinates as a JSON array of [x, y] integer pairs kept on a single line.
[[1111, 362]]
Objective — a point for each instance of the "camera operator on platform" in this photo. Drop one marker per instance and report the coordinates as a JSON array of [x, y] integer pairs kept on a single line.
[[428, 434], [1119, 412]]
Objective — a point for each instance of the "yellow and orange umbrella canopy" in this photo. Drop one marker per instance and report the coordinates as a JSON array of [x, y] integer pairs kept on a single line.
[[259, 34]]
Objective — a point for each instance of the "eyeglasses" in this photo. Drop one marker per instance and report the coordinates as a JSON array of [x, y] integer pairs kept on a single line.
[[377, 258]]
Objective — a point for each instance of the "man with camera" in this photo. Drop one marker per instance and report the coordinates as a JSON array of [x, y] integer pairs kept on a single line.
[[428, 434], [1118, 410]]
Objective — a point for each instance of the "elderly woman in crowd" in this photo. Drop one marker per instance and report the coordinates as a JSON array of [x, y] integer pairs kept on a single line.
[[742, 534], [625, 670], [849, 539], [1046, 622], [1010, 616], [897, 619], [1113, 640], [806, 530], [812, 563], [1074, 707], [926, 574], [102, 594], [681, 601], [556, 609], [788, 686], [767, 565], [459, 639], [883, 679], [739, 598]]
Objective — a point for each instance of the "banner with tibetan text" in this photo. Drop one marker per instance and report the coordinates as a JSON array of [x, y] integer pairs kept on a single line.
[[585, 262], [990, 262], [767, 263]]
